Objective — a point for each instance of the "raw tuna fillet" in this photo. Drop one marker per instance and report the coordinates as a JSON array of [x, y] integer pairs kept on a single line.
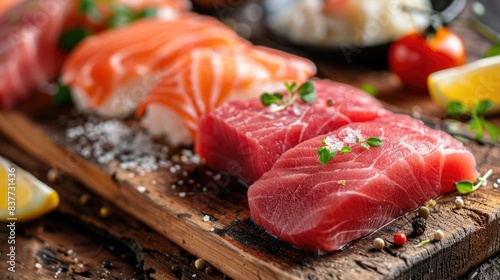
[[203, 79], [29, 55], [245, 138], [111, 72], [325, 207]]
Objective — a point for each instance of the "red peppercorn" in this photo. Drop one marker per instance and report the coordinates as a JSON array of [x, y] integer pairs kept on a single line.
[[399, 239]]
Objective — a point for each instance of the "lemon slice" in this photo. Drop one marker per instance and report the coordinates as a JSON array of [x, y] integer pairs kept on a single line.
[[25, 197], [469, 83]]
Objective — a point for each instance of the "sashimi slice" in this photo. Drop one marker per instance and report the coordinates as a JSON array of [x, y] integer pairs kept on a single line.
[[245, 138], [29, 54], [78, 17], [325, 207], [112, 71], [205, 78]]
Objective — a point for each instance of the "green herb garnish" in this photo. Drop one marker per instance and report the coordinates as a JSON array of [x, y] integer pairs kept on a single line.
[[278, 102], [123, 15], [465, 187], [62, 95], [370, 89], [370, 142], [328, 152], [89, 8], [478, 122], [70, 38], [493, 51]]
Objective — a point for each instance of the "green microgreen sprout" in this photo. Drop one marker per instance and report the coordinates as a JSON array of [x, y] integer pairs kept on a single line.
[[370, 89], [438, 235], [277, 102], [370, 142], [465, 187], [62, 95], [89, 8], [341, 182], [121, 15], [493, 51], [70, 38], [327, 153], [478, 122]]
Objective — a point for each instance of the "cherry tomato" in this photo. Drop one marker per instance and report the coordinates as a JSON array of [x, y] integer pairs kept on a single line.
[[399, 239], [415, 56]]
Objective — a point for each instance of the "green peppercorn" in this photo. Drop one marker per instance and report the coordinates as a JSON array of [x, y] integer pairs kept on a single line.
[[424, 212]]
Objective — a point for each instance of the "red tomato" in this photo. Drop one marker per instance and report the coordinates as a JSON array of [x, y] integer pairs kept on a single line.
[[399, 239], [415, 56]]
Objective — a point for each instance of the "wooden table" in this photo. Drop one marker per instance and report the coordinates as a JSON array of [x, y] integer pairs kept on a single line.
[[81, 240]]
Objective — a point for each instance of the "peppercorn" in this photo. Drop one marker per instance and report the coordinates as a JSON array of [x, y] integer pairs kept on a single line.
[[399, 238], [419, 225], [104, 212], [438, 235], [459, 202], [200, 264], [424, 212], [378, 243], [53, 175]]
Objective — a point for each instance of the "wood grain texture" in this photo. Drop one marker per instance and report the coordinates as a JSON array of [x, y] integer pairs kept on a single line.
[[77, 242], [241, 249]]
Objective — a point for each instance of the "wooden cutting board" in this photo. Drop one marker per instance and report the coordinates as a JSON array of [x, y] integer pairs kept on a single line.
[[205, 212]]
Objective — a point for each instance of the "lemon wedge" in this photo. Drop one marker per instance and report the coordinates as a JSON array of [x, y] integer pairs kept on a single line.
[[23, 197], [469, 83]]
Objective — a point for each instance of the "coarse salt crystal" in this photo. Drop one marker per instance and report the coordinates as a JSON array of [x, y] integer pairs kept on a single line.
[[141, 189], [333, 143], [195, 159], [184, 159], [352, 135], [182, 194], [206, 218], [38, 265]]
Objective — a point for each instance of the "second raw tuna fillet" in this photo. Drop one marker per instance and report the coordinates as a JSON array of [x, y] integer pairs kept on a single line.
[[245, 138]]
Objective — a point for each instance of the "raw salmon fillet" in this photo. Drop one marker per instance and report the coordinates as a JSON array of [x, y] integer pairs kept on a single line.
[[29, 54], [203, 79], [112, 71], [245, 138], [325, 207]]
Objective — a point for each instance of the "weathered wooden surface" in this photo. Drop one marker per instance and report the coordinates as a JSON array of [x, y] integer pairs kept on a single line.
[[230, 241], [77, 242]]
